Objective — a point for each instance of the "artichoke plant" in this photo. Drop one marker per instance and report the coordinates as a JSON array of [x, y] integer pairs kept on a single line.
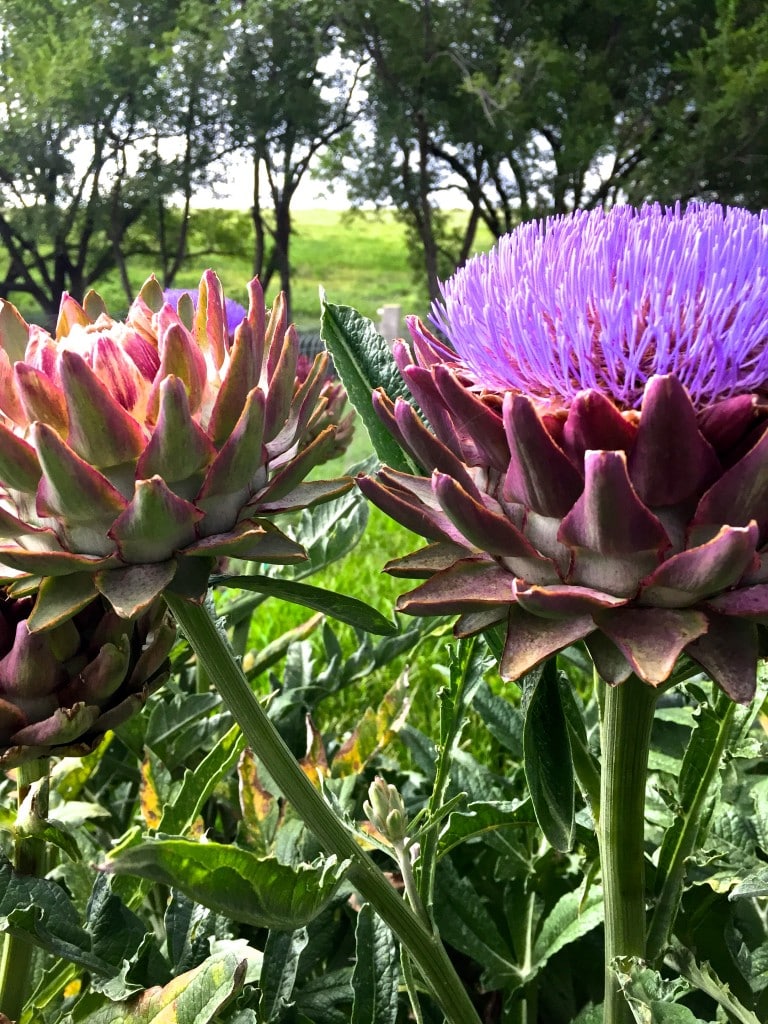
[[134, 454], [62, 689], [595, 454]]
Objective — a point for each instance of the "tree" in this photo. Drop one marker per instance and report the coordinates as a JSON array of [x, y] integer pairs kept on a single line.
[[291, 96], [525, 109], [86, 106], [712, 142], [415, 97]]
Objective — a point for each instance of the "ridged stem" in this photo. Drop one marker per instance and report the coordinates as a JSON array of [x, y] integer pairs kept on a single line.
[[29, 858], [425, 948], [626, 719]]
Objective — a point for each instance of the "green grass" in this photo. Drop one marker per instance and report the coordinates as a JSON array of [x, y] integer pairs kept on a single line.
[[360, 260]]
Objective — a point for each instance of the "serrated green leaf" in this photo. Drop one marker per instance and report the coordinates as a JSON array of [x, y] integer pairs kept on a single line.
[[465, 924], [338, 606], [483, 817], [376, 972], [651, 998], [760, 817], [325, 999], [548, 759], [698, 787], [568, 920], [755, 884], [196, 787], [255, 890], [327, 533], [364, 362], [278, 972], [188, 928], [503, 721], [121, 940], [702, 977], [177, 725], [43, 911], [53, 832], [72, 813], [196, 997]]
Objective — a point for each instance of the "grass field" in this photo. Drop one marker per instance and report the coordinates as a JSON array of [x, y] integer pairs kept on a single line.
[[360, 260]]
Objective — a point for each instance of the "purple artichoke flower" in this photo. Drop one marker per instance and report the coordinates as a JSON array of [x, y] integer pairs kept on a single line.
[[62, 689], [134, 455], [597, 443]]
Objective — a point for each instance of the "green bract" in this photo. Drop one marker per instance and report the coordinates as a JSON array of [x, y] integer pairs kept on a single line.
[[61, 690], [133, 455]]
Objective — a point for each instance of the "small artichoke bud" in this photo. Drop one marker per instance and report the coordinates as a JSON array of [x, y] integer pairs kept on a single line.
[[61, 689], [386, 810]]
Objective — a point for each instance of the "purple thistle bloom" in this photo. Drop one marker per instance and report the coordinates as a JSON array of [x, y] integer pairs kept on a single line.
[[607, 299], [595, 455], [233, 311]]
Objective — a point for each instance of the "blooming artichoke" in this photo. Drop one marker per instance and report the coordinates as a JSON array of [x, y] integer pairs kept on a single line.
[[597, 440], [61, 690], [134, 454]]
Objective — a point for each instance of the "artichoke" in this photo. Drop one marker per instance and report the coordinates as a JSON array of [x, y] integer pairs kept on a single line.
[[596, 451], [333, 395], [62, 689], [234, 313], [134, 454]]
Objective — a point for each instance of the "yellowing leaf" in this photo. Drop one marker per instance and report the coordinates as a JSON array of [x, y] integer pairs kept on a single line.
[[151, 809], [259, 807], [315, 763], [374, 731], [196, 997]]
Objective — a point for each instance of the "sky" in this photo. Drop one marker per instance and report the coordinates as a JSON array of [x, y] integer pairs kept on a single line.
[[234, 192]]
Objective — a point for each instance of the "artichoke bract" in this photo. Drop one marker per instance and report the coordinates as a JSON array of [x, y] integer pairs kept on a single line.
[[134, 454], [597, 440], [62, 689], [332, 394]]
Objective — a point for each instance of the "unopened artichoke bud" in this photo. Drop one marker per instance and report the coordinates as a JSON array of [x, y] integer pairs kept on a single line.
[[330, 409], [386, 810], [596, 455], [62, 689], [134, 455]]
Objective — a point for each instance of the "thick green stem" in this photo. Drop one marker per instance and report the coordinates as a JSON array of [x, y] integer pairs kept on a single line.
[[29, 858], [425, 949], [627, 714]]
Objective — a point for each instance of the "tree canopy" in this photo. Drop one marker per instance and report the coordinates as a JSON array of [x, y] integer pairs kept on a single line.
[[115, 114]]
